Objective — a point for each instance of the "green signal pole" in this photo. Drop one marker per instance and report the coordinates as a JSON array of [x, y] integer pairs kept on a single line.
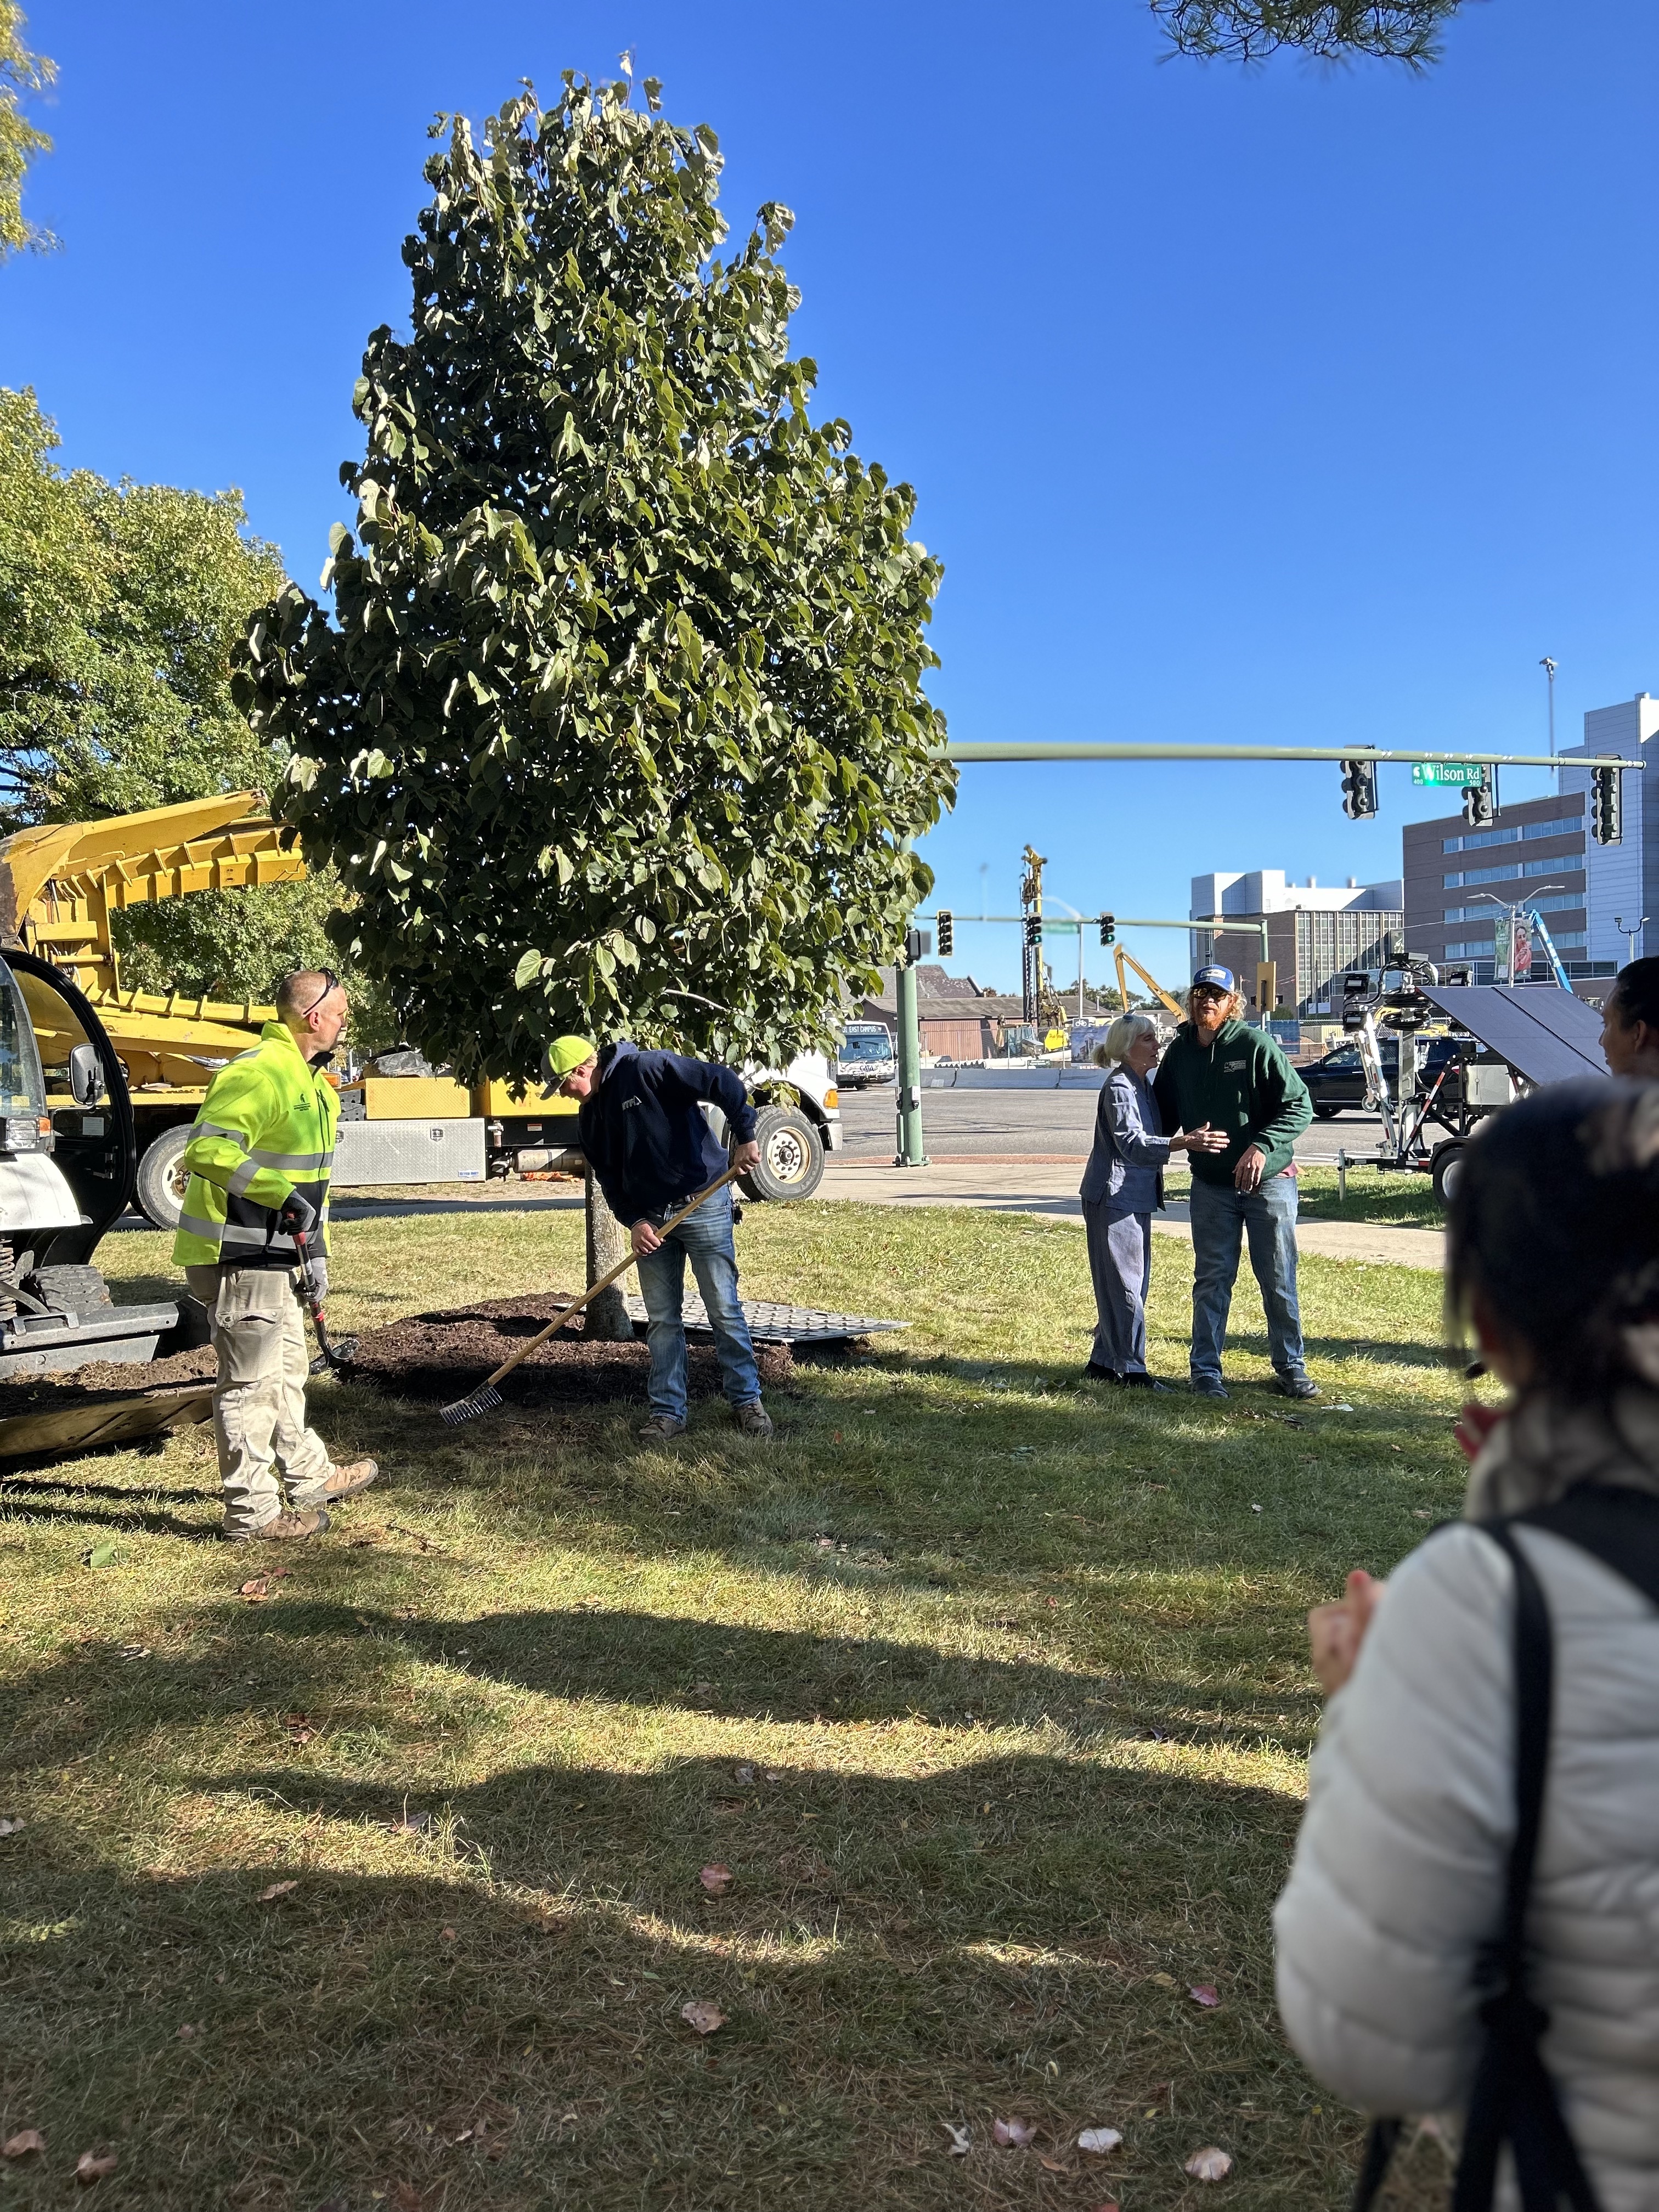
[[912, 1147]]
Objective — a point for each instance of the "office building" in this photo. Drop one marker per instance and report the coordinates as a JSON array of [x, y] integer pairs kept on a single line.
[[1623, 880], [1315, 932], [1593, 898]]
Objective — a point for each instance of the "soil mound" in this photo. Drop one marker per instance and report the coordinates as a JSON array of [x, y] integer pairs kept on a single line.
[[446, 1355], [106, 1378]]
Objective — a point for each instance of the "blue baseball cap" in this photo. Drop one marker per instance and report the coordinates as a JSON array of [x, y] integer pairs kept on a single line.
[[1221, 979]]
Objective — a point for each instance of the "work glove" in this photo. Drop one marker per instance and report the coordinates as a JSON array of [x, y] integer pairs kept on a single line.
[[320, 1281], [297, 1216]]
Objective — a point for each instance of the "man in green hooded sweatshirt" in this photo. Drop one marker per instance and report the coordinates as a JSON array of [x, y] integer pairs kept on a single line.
[[1220, 1070]]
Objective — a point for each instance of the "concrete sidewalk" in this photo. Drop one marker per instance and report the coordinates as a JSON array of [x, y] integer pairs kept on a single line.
[[1008, 1183]]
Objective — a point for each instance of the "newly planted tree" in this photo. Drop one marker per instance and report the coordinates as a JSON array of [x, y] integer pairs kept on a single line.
[[619, 725]]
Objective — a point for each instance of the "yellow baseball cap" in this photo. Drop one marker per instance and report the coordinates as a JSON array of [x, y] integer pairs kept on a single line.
[[567, 1052]]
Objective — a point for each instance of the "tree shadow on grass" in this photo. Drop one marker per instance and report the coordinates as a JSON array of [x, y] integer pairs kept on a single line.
[[304, 1654], [894, 1953]]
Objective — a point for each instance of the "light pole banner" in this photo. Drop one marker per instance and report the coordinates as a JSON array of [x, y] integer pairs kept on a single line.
[[1521, 966]]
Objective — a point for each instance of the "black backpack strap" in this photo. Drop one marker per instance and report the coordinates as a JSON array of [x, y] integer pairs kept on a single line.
[[1616, 1524], [1513, 2099]]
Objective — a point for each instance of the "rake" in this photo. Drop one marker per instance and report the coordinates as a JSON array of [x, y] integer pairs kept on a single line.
[[487, 1397]]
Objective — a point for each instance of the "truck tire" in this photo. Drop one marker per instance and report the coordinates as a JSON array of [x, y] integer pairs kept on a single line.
[[1325, 1113], [76, 1289], [160, 1189], [1445, 1169], [790, 1155]]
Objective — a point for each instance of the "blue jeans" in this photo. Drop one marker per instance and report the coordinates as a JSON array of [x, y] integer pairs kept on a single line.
[[705, 1238], [1222, 1217]]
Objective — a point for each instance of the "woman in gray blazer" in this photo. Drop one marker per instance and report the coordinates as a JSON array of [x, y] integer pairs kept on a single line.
[[1122, 1186]]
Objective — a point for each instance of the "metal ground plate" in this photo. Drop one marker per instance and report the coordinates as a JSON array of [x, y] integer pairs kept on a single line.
[[776, 1324]]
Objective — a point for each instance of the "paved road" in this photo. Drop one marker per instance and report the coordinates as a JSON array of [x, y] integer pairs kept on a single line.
[[1036, 1124]]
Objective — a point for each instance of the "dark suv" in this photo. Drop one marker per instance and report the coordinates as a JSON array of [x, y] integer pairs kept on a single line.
[[1337, 1083]]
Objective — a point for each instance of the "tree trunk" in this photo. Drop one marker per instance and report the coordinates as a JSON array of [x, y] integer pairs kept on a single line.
[[606, 1320]]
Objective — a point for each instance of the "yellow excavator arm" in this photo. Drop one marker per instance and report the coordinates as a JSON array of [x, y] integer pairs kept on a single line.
[[1128, 959], [60, 883]]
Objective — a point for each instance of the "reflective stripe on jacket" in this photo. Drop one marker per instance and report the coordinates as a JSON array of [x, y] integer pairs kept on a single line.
[[266, 1128]]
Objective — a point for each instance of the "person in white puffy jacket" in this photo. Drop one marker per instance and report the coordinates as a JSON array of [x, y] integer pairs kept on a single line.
[[1398, 1880]]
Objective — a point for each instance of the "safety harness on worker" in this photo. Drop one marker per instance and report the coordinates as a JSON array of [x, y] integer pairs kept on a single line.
[[265, 1131]]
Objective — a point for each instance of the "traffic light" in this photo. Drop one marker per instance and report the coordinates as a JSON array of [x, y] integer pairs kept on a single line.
[[1108, 929], [945, 924], [1478, 811], [1358, 789], [1607, 806], [1033, 929], [918, 943]]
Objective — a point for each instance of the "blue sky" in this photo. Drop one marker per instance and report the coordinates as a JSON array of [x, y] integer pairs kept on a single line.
[[1301, 406]]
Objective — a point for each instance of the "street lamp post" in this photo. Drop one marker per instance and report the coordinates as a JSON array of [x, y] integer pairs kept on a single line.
[[1630, 931], [1548, 667]]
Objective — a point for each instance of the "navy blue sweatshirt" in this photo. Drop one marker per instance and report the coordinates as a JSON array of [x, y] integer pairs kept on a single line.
[[643, 1133]]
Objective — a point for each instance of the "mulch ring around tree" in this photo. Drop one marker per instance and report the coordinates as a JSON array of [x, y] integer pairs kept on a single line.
[[444, 1356]]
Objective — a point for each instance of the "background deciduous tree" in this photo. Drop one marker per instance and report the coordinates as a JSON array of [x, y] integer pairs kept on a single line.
[[21, 72], [119, 606], [621, 725]]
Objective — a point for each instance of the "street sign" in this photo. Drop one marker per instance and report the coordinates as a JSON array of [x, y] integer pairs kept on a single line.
[[1456, 774]]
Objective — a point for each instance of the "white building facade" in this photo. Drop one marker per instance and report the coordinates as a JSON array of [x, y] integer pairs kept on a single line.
[[1622, 880], [1314, 932]]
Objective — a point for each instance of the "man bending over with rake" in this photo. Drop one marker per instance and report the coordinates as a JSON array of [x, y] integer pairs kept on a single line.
[[645, 1138]]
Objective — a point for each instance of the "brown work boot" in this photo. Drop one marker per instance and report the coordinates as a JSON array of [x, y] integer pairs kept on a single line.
[[753, 1421], [347, 1481], [661, 1428], [283, 1527]]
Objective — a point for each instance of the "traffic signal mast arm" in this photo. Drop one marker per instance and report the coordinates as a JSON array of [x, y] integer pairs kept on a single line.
[[1013, 750]]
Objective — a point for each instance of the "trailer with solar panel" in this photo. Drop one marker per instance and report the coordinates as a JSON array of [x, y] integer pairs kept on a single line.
[[1512, 1039]]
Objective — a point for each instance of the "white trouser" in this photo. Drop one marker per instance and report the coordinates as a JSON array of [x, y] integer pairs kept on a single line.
[[259, 1398]]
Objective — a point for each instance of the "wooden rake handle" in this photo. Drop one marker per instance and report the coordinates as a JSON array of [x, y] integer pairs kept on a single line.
[[604, 1284]]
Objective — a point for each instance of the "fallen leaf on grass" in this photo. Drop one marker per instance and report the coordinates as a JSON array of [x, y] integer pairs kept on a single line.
[[133, 1651], [101, 1555], [1209, 2164], [742, 1775], [188, 2031], [961, 2139], [1163, 1981], [445, 1935], [716, 1879], [25, 2141], [1095, 2143], [11, 1827], [1202, 1993], [88, 2168], [1050, 2165], [256, 1589], [1013, 2134], [277, 1889], [703, 2016], [298, 1727], [412, 1824]]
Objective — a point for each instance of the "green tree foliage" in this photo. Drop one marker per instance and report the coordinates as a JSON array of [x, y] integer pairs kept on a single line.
[[119, 606], [1249, 30], [621, 723], [21, 72]]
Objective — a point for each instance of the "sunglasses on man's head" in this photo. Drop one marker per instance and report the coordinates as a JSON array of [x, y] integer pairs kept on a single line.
[[330, 982]]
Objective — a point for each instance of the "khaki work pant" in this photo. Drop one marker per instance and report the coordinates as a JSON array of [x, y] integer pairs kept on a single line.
[[259, 1398]]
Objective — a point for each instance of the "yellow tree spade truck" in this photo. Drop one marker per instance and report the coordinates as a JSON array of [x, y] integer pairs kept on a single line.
[[60, 885]]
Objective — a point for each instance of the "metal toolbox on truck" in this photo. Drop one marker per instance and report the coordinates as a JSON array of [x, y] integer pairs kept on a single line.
[[409, 1152]]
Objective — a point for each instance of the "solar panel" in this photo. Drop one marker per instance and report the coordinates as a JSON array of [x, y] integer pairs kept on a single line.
[[1548, 1036]]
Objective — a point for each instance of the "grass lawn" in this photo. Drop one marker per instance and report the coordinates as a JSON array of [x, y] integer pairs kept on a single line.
[[988, 1686]]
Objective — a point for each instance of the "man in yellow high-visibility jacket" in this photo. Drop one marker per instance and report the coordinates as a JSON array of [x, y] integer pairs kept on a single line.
[[259, 1159]]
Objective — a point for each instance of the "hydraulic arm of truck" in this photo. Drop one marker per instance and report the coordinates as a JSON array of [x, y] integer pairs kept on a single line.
[[1128, 959], [59, 885]]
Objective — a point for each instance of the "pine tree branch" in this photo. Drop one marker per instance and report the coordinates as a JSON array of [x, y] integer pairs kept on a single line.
[[1330, 30]]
